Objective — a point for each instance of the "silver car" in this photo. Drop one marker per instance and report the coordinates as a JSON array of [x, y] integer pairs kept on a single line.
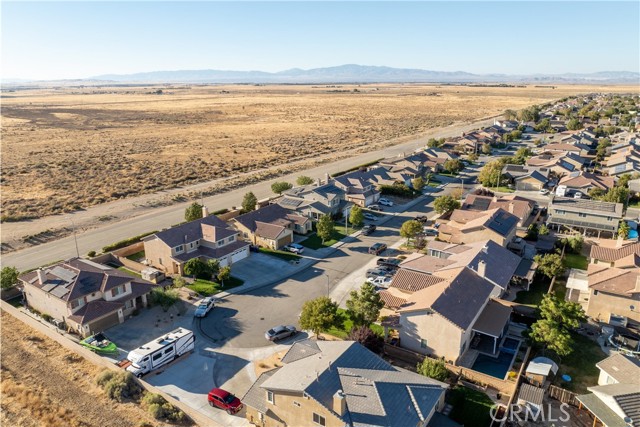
[[280, 332], [204, 307]]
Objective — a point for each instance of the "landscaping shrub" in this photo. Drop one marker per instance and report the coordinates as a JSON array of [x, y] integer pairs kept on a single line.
[[91, 254], [433, 368], [160, 409], [401, 190], [165, 298], [126, 242], [220, 211], [119, 385]]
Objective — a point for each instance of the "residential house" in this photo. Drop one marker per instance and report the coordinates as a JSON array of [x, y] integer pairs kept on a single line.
[[466, 226], [516, 205], [85, 296], [615, 401], [205, 238], [585, 215], [439, 153], [358, 187], [559, 164], [526, 178], [563, 148], [341, 383], [624, 161], [315, 200], [408, 167], [614, 253], [507, 125], [584, 182], [272, 226]]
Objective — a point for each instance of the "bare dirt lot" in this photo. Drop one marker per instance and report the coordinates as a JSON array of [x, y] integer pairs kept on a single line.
[[45, 385], [69, 148]]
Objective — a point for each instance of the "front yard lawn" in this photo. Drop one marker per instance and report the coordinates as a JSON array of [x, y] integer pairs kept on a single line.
[[470, 407], [581, 364], [343, 329], [575, 261], [502, 189], [207, 288], [315, 242], [287, 256]]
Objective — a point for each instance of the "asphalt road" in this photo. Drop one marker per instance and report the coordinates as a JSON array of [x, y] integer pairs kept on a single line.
[[241, 320], [158, 218]]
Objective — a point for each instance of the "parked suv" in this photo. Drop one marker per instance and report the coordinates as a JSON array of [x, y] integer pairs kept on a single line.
[[368, 229], [224, 400], [377, 248], [385, 202], [389, 262], [295, 248]]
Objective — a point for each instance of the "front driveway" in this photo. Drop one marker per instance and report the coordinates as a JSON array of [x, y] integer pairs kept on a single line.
[[260, 268]]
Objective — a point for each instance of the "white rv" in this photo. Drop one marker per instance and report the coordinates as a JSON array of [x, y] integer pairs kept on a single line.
[[561, 190], [160, 351]]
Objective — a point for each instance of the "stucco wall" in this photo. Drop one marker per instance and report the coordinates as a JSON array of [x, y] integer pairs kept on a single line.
[[155, 250], [46, 303], [443, 337], [292, 414]]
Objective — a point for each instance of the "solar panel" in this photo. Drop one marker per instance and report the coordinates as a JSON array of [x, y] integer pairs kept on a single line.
[[49, 286], [60, 291], [63, 273]]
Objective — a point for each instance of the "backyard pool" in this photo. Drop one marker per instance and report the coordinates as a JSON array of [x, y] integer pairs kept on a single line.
[[510, 345], [494, 366]]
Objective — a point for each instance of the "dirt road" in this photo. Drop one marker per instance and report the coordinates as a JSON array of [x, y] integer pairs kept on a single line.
[[44, 384], [130, 217]]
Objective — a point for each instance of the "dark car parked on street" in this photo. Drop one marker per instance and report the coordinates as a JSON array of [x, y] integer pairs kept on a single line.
[[377, 248], [368, 229], [389, 262]]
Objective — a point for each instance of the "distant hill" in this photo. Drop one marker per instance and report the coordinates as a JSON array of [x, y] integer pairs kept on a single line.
[[352, 73]]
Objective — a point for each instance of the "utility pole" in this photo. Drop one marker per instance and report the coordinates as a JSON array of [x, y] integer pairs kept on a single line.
[[75, 238]]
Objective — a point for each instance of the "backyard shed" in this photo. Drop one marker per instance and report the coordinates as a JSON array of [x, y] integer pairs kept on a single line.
[[531, 397], [539, 369]]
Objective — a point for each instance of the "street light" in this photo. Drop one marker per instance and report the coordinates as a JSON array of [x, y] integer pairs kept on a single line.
[[75, 239]]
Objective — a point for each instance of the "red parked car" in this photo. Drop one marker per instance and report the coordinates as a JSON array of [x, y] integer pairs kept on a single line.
[[224, 400]]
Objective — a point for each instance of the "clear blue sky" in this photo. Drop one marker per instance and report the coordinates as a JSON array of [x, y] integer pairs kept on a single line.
[[52, 40]]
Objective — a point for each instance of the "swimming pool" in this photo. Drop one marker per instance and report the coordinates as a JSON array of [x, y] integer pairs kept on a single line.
[[510, 345], [494, 366]]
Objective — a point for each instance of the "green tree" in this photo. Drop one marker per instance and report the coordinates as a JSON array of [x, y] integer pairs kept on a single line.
[[224, 274], [445, 204], [280, 187], [472, 157], [365, 336], [575, 243], [596, 193], [623, 229], [453, 165], [417, 183], [304, 180], [623, 181], [491, 173], [574, 124], [324, 227], [364, 305], [601, 149], [193, 212], [8, 277], [433, 143], [410, 229], [433, 368], [532, 232], [543, 230], [558, 316], [318, 315], [616, 195], [213, 267], [522, 154], [549, 264], [249, 202], [356, 216], [179, 282], [486, 149], [197, 268]]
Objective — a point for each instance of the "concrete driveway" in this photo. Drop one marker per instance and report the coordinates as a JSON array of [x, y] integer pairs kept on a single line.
[[260, 268]]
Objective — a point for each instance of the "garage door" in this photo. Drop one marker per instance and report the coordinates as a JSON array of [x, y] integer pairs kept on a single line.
[[285, 241], [104, 323], [240, 254]]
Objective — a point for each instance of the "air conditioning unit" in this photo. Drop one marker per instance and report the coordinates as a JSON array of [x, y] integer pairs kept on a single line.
[[616, 320]]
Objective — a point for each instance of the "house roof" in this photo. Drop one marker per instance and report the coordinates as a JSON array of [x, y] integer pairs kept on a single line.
[[94, 310], [516, 205], [493, 319], [614, 253], [620, 281], [268, 231], [622, 399], [411, 281], [373, 388], [531, 394], [458, 299], [580, 179], [390, 300], [498, 220], [521, 171], [425, 264], [213, 253], [269, 221], [601, 410], [588, 206], [193, 230], [622, 368], [78, 277]]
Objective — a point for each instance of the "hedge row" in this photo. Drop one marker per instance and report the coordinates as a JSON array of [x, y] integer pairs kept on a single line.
[[126, 242], [355, 168]]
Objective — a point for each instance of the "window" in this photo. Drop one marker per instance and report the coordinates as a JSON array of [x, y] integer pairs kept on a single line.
[[116, 291], [168, 350], [582, 214], [128, 304], [296, 403], [318, 419], [608, 218], [179, 248], [270, 397], [595, 292], [559, 212], [231, 239], [191, 245], [220, 242], [157, 356], [423, 343], [77, 303]]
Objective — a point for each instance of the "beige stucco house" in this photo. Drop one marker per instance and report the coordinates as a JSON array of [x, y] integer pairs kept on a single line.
[[585, 215], [86, 296], [466, 226], [205, 238], [341, 383], [271, 226]]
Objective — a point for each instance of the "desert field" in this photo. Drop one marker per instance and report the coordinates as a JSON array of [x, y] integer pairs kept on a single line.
[[45, 385], [68, 148]]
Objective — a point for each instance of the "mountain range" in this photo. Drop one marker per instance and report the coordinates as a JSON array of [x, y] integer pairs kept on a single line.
[[352, 73]]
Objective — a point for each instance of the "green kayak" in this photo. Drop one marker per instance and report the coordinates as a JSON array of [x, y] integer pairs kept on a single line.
[[100, 344]]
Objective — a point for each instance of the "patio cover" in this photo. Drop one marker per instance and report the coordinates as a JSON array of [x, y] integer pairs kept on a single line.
[[526, 269], [601, 411], [493, 319]]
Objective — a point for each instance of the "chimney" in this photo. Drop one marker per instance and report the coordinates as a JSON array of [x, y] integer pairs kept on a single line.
[[482, 268], [510, 207], [40, 276], [318, 182], [205, 212], [339, 403], [620, 241], [327, 178]]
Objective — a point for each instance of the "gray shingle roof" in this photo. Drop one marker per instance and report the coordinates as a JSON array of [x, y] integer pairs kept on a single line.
[[589, 206], [256, 395], [622, 368], [192, 231]]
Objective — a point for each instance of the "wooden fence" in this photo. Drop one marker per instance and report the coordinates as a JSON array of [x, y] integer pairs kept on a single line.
[[562, 395]]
